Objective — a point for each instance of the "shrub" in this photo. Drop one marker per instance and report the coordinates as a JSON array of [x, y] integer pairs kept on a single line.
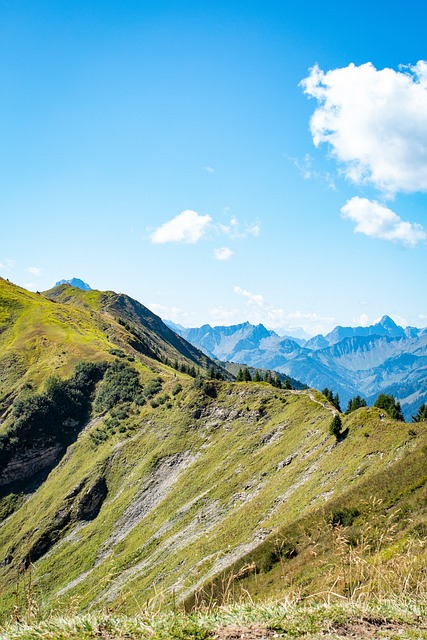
[[120, 384], [152, 387], [55, 415], [344, 517]]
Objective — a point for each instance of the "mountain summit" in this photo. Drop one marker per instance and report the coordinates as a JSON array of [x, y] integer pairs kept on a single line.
[[75, 282]]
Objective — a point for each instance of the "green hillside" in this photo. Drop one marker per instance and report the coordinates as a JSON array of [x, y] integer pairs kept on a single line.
[[186, 489]]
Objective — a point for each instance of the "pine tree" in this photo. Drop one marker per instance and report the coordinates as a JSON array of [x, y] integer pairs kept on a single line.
[[355, 403], [389, 404], [421, 415], [335, 426], [336, 402], [247, 375]]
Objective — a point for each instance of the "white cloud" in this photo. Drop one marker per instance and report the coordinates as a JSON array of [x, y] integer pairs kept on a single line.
[[175, 314], [7, 264], [36, 271], [363, 321], [224, 316], [260, 311], [375, 122], [224, 253], [188, 227], [253, 298], [306, 168], [209, 169], [30, 286], [238, 231], [377, 221], [253, 230]]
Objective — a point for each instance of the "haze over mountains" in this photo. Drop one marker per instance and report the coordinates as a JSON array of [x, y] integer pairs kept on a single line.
[[366, 361]]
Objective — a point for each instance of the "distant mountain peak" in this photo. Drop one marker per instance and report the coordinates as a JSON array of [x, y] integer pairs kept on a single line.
[[386, 321], [75, 282]]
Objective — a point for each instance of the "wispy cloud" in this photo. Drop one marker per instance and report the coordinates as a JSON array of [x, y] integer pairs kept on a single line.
[[209, 169], [258, 310], [254, 298], [306, 168], [187, 227], [223, 253], [375, 123], [7, 264], [177, 315], [239, 231], [377, 221], [36, 271]]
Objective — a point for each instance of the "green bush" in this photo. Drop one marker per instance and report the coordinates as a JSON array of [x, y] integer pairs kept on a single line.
[[344, 517], [120, 384], [152, 387], [56, 415]]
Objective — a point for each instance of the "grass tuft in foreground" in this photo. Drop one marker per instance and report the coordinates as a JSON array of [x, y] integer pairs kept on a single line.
[[333, 620]]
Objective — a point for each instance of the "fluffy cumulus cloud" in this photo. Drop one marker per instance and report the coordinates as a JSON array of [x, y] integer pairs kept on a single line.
[[223, 253], [375, 123], [188, 227], [378, 221]]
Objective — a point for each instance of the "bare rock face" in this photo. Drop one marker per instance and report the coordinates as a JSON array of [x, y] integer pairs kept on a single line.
[[26, 464], [91, 501], [80, 504]]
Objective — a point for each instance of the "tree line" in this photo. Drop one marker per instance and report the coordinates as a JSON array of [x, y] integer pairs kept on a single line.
[[244, 375]]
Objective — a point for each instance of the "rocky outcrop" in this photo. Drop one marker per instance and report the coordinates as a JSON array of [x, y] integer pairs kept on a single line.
[[26, 464], [91, 501], [84, 502]]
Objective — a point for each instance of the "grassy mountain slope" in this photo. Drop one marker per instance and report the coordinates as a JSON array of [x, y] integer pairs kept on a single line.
[[196, 484], [150, 335], [45, 336], [186, 487], [38, 338]]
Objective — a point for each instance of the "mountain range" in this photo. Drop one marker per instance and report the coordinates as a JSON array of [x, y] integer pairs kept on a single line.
[[366, 361], [133, 471]]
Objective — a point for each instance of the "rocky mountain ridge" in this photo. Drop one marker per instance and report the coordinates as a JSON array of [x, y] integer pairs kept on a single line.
[[381, 358]]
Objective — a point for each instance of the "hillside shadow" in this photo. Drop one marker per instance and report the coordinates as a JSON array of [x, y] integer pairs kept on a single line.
[[342, 436]]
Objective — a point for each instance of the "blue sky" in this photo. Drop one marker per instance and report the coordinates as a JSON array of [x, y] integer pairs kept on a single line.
[[168, 150]]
